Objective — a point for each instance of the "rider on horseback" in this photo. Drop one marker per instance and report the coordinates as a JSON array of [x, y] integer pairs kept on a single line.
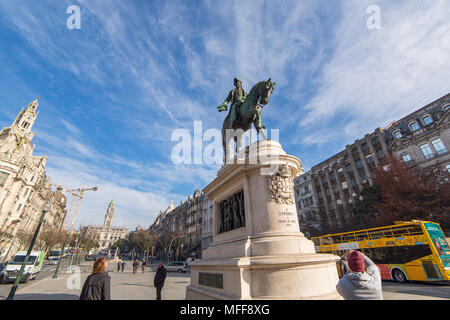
[[236, 96]]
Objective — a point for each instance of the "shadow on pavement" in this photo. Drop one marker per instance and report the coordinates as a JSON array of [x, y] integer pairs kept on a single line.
[[51, 296]]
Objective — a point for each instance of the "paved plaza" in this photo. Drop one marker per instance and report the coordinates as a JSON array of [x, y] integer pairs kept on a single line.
[[128, 286], [124, 285]]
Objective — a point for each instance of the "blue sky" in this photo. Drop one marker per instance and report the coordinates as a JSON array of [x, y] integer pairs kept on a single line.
[[112, 93]]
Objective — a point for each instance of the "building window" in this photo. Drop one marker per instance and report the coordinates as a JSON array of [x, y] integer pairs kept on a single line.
[[364, 178], [332, 175], [359, 164], [406, 157], [375, 141], [349, 168], [414, 126], [3, 178], [380, 154], [427, 120], [427, 152], [397, 134], [439, 146], [370, 159], [307, 190], [365, 147]]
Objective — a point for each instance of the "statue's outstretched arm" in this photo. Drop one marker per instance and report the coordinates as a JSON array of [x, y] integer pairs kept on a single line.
[[223, 106]]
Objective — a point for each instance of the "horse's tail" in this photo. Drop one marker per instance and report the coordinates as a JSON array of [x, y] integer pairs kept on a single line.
[[225, 125]]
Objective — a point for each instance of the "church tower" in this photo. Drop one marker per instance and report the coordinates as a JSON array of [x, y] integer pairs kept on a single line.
[[17, 137], [25, 120], [109, 215]]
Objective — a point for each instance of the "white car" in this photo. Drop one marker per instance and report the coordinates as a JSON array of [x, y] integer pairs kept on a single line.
[[176, 266]]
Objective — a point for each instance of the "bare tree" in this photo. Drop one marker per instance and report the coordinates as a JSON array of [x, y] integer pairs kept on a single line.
[[411, 192]]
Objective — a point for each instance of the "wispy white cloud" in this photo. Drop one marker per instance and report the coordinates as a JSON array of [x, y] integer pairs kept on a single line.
[[376, 76]]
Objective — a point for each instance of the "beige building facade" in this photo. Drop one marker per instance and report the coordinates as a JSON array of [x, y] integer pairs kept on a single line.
[[24, 185], [106, 235]]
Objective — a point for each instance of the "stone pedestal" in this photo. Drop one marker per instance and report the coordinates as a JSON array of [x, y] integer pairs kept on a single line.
[[258, 251]]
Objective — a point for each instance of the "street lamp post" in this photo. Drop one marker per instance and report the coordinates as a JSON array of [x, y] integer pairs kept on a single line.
[[73, 253], [46, 208]]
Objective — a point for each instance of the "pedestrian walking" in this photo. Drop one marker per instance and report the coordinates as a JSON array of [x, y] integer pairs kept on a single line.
[[160, 277], [118, 266], [123, 265], [97, 285], [143, 266], [359, 284], [135, 266]]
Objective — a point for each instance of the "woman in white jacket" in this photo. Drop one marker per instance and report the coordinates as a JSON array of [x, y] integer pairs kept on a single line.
[[359, 284]]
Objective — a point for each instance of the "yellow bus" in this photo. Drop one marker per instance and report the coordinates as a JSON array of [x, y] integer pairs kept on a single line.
[[415, 250]]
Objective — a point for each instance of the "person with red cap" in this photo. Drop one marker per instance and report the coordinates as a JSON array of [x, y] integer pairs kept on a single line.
[[363, 282]]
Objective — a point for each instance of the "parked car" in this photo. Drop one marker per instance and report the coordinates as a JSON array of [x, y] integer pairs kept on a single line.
[[176, 266]]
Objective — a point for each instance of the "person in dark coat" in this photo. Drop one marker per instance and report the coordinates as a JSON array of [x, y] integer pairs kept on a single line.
[[143, 266], [97, 285], [160, 277], [123, 265], [118, 266]]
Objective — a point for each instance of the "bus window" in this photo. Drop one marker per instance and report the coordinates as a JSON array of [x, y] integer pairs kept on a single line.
[[337, 239], [415, 230], [349, 237], [361, 236], [398, 232], [376, 235]]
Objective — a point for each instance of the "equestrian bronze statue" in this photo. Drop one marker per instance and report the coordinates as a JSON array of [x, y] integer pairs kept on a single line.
[[246, 109]]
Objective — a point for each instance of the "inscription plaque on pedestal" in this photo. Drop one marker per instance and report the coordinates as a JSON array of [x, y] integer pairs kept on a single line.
[[214, 280]]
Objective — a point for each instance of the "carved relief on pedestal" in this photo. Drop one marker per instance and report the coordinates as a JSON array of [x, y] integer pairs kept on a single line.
[[281, 186], [232, 213]]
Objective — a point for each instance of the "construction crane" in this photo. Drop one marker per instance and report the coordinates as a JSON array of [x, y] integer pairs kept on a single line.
[[78, 195]]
